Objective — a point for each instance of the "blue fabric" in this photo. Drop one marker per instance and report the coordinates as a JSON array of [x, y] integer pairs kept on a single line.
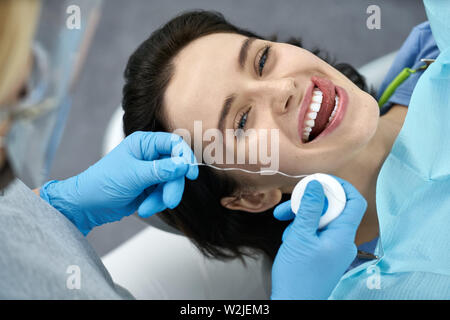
[[42, 253], [420, 44], [439, 12], [366, 247], [412, 199]]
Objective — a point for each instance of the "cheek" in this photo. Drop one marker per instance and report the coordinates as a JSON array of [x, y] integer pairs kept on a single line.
[[291, 159], [299, 59], [360, 128], [359, 131], [366, 117]]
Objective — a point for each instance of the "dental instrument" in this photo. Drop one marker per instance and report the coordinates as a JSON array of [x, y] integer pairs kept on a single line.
[[399, 79]]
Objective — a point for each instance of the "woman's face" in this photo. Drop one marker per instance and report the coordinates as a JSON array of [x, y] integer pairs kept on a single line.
[[272, 89]]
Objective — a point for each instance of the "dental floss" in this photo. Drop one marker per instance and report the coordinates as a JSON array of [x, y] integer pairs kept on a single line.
[[333, 190], [249, 171]]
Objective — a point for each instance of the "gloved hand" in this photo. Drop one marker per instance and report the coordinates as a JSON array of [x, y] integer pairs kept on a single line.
[[138, 174], [310, 263]]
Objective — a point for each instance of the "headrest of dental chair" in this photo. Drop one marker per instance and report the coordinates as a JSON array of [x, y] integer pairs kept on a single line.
[[373, 72]]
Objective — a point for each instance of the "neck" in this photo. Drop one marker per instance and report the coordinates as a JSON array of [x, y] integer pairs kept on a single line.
[[363, 173]]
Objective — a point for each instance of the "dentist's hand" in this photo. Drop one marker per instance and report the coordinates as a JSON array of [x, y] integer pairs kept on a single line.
[[310, 263], [139, 174]]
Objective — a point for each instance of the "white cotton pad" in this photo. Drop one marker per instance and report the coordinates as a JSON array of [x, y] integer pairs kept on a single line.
[[333, 191]]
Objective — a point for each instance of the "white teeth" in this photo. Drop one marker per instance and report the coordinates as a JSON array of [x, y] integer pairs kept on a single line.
[[336, 103], [309, 123], [305, 137], [312, 115], [314, 107], [317, 97]]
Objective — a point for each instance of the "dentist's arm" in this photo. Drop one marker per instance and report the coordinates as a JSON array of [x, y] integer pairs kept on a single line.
[[310, 263], [144, 173]]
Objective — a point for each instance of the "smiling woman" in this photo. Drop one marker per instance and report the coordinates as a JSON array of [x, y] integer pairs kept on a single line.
[[199, 67]]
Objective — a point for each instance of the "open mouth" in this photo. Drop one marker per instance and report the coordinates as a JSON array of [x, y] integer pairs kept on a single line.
[[321, 109]]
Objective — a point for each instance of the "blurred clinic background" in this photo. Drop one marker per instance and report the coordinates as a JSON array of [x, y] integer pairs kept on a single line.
[[336, 26]]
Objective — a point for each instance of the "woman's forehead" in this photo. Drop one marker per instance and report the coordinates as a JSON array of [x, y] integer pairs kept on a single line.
[[205, 73]]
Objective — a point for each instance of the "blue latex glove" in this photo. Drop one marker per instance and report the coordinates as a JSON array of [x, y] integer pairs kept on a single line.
[[310, 263], [145, 173]]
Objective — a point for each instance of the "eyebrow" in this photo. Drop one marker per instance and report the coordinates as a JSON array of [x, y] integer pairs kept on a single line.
[[228, 102], [244, 51], [225, 110]]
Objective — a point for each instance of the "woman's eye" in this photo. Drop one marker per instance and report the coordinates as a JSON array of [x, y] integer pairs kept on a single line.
[[242, 120], [263, 59]]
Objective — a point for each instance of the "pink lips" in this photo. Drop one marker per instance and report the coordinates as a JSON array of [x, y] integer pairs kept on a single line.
[[340, 112], [329, 91]]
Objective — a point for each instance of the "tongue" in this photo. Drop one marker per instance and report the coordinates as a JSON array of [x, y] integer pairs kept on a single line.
[[319, 126], [325, 111]]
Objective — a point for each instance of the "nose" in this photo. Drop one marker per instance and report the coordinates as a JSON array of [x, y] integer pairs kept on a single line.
[[277, 94]]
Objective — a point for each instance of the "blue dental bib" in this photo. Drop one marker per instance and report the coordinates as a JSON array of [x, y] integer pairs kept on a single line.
[[413, 192]]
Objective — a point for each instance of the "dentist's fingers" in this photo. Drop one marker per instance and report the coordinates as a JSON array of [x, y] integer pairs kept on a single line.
[[147, 145], [306, 222], [133, 206], [183, 151], [149, 173], [153, 203], [173, 192], [150, 146], [310, 211], [283, 211]]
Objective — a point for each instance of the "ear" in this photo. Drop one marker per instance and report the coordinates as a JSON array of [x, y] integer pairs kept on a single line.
[[257, 201]]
